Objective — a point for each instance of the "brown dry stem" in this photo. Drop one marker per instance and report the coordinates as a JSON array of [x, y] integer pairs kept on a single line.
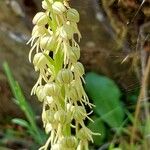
[[142, 97]]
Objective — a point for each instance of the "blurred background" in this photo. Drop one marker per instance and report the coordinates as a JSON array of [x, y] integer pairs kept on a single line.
[[115, 50]]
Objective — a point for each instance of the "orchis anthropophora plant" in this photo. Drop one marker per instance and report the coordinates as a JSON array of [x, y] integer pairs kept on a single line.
[[59, 86]]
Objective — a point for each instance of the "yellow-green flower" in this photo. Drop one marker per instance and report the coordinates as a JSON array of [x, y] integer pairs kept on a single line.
[[59, 86]]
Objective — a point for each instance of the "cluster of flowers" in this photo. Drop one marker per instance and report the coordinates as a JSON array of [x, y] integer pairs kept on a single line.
[[59, 86]]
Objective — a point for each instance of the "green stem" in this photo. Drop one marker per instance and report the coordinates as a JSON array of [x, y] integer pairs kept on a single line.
[[67, 130]]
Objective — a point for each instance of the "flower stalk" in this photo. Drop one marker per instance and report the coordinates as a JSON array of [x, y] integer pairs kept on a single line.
[[59, 85]]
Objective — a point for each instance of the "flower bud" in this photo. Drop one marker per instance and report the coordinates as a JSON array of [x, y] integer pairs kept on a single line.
[[69, 142], [39, 60], [51, 89], [58, 8], [65, 76], [73, 15], [40, 19], [47, 42], [78, 69], [40, 94]]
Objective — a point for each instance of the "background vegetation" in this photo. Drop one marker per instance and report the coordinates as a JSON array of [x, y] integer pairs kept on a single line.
[[115, 52]]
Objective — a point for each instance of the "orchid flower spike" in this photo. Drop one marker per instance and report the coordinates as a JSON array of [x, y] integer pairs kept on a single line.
[[60, 83]]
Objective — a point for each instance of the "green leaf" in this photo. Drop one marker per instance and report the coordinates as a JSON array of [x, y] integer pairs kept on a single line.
[[21, 122], [97, 127], [23, 104], [105, 95]]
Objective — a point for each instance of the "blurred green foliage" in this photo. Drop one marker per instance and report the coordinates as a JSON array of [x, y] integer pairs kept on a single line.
[[31, 126], [105, 95]]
